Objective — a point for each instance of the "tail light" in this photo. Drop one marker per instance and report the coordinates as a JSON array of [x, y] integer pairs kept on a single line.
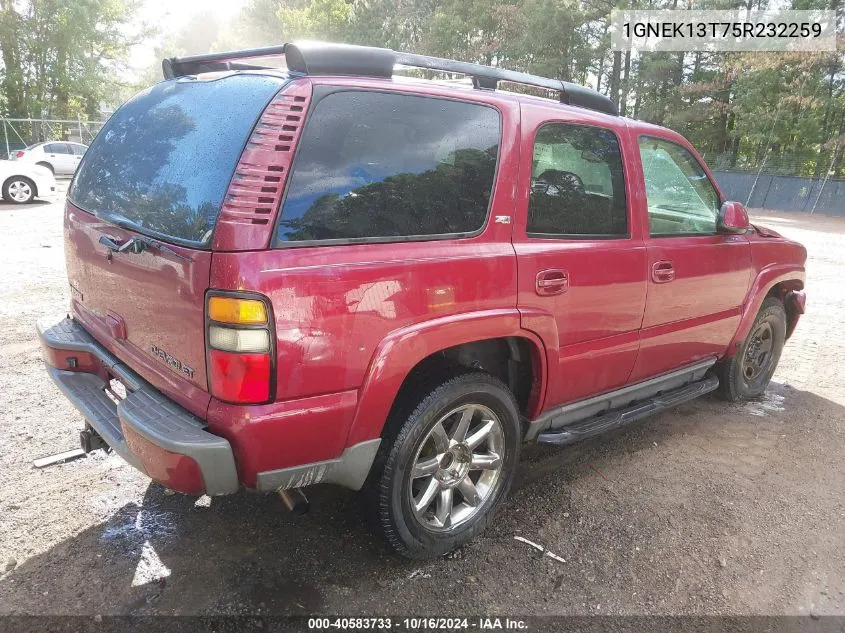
[[20, 154], [239, 339]]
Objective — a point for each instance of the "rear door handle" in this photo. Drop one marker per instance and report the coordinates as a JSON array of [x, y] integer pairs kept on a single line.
[[553, 281], [662, 272]]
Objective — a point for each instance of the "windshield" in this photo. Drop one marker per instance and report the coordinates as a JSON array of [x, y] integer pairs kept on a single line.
[[162, 163]]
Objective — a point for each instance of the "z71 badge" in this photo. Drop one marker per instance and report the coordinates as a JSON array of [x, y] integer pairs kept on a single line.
[[174, 362]]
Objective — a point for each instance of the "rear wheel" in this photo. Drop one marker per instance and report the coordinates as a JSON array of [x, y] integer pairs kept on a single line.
[[748, 373], [436, 485], [18, 190]]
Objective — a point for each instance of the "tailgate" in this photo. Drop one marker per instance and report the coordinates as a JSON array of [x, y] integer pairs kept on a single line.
[[140, 220], [147, 308]]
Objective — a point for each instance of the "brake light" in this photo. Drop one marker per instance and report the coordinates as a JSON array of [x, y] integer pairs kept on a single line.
[[20, 154], [243, 378], [240, 351]]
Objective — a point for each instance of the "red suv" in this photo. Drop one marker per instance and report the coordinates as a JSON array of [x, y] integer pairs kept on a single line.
[[331, 274]]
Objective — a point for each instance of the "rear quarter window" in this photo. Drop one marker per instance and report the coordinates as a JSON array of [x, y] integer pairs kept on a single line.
[[376, 166]]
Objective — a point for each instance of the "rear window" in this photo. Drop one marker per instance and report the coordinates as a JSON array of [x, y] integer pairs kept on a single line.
[[376, 166], [163, 161]]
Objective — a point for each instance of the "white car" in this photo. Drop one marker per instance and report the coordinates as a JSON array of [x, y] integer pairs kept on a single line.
[[23, 182], [60, 157]]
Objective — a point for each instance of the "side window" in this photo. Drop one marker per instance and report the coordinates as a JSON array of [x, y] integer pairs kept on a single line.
[[681, 199], [577, 183], [56, 148], [374, 165], [78, 150]]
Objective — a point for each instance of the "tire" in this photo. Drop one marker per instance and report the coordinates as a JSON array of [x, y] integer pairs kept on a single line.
[[747, 374], [19, 190], [415, 444], [48, 166]]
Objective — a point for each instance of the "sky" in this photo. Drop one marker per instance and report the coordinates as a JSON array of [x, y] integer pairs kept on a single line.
[[170, 15]]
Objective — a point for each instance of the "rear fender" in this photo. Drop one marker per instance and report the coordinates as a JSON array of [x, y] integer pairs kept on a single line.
[[404, 349], [790, 276]]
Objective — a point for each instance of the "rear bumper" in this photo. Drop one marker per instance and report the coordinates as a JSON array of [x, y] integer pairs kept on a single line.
[[147, 429]]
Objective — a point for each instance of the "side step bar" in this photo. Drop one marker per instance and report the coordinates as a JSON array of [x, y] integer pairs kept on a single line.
[[600, 423]]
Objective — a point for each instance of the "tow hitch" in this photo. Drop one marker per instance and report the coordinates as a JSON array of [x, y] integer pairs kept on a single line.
[[89, 440]]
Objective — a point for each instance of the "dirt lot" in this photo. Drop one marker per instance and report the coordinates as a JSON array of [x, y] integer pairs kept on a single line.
[[710, 508]]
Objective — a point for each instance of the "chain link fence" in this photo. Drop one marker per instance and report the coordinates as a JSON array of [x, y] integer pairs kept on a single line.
[[824, 195], [810, 182], [21, 133]]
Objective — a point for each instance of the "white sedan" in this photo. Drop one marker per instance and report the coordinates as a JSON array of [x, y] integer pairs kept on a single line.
[[60, 157], [23, 182]]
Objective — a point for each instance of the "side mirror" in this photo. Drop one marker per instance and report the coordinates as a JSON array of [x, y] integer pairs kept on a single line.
[[733, 218]]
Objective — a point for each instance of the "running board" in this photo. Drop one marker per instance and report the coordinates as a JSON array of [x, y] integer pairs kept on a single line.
[[604, 422]]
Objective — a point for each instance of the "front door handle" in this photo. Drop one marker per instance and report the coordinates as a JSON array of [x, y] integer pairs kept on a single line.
[[552, 281], [662, 272]]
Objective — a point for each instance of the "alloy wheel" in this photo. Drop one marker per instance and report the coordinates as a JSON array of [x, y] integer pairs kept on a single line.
[[457, 467], [20, 191]]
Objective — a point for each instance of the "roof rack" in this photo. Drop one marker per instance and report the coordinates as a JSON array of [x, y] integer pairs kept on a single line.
[[322, 58]]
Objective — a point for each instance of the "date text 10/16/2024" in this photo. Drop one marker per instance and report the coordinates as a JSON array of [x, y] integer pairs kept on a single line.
[[418, 624]]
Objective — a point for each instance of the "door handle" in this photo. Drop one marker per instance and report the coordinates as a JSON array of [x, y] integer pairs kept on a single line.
[[662, 272], [553, 281]]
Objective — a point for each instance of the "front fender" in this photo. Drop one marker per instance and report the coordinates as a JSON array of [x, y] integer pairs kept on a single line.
[[405, 348], [790, 275]]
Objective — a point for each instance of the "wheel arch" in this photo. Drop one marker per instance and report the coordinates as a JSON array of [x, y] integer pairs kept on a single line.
[[774, 281], [482, 337], [783, 291], [48, 165]]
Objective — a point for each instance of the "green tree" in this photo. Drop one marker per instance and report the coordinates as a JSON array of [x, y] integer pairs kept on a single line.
[[62, 58], [785, 112], [317, 19]]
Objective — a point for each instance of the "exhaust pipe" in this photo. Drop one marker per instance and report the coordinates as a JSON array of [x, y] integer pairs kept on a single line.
[[294, 500]]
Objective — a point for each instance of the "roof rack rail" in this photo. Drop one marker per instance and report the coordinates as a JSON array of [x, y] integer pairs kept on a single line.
[[323, 58]]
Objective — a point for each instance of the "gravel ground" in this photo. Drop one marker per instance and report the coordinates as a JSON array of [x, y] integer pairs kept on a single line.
[[708, 509]]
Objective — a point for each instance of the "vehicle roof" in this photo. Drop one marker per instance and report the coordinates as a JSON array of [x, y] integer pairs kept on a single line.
[[314, 59], [458, 86], [56, 141]]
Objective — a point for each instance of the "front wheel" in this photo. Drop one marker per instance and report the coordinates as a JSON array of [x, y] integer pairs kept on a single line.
[[748, 373], [448, 468], [18, 190]]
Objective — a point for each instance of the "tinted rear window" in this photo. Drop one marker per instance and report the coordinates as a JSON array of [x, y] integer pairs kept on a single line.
[[384, 166], [163, 161]]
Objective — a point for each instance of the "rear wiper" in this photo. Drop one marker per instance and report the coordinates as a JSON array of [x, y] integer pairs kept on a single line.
[[138, 244]]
